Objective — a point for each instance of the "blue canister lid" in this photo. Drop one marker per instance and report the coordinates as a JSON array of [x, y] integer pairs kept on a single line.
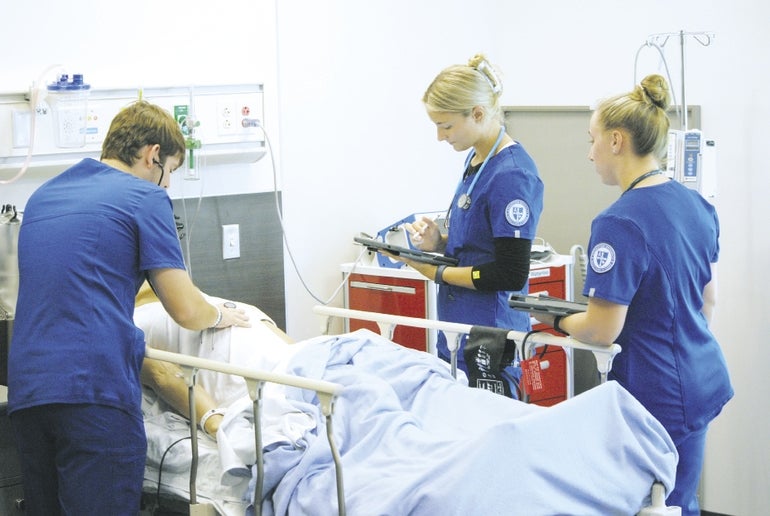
[[64, 84]]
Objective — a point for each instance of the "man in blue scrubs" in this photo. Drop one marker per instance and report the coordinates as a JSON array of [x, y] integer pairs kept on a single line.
[[89, 237]]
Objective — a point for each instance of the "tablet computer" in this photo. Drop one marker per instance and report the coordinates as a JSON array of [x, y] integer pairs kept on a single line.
[[545, 305], [406, 252]]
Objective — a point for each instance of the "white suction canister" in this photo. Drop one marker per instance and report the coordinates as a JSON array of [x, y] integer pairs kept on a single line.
[[68, 100]]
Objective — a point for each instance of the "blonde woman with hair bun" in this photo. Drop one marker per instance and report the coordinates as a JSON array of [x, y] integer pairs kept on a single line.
[[651, 283], [493, 216]]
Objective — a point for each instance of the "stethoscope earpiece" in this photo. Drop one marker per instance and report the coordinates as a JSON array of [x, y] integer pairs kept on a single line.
[[162, 171]]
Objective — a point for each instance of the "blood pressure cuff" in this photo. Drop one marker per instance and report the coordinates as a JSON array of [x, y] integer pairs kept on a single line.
[[492, 362]]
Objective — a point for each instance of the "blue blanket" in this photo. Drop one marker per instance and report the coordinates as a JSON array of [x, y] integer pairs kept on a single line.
[[415, 441]]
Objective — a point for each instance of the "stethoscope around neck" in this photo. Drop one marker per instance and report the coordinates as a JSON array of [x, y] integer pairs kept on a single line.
[[464, 201]]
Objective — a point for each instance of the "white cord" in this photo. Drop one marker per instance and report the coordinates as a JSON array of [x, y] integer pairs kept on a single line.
[[189, 225], [200, 166], [33, 102], [286, 238], [668, 74]]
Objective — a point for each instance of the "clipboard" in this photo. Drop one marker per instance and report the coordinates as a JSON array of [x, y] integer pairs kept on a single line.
[[545, 305], [406, 252]]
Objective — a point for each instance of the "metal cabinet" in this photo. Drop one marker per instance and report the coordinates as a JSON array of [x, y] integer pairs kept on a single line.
[[392, 291], [403, 291], [552, 278]]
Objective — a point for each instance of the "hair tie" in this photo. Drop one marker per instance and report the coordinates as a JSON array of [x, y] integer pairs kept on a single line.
[[490, 75], [648, 97]]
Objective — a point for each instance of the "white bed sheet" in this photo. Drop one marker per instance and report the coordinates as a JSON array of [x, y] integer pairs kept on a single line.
[[222, 477], [413, 440]]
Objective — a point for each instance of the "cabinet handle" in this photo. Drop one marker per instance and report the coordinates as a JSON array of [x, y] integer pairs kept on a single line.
[[383, 288]]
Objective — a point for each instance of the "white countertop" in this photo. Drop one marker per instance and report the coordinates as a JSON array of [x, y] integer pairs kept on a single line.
[[555, 260]]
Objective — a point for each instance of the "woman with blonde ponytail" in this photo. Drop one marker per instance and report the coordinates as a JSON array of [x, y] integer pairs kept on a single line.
[[493, 216], [651, 284]]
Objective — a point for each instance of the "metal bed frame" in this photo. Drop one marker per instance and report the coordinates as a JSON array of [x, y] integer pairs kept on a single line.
[[454, 332], [328, 392], [526, 347]]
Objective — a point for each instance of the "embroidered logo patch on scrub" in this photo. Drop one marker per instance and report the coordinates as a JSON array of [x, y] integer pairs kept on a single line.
[[517, 213], [602, 258]]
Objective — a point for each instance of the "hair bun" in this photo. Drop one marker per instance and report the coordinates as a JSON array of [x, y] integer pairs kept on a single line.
[[656, 90], [481, 64]]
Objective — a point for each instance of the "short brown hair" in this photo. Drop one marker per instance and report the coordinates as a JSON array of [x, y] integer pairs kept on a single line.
[[139, 124]]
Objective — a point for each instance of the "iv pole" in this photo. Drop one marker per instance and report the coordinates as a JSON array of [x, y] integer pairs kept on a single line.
[[660, 40]]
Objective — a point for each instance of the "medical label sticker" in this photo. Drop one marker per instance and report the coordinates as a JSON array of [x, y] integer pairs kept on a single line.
[[495, 386], [602, 258], [531, 376], [517, 213]]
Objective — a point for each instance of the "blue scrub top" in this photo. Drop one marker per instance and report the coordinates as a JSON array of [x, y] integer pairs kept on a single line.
[[506, 201], [87, 238], [652, 251]]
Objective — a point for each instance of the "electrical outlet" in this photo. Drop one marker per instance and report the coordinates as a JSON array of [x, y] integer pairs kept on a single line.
[[234, 116], [231, 241], [227, 118]]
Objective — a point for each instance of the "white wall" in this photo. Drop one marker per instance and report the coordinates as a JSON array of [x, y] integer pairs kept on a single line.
[[142, 44], [355, 151], [351, 78]]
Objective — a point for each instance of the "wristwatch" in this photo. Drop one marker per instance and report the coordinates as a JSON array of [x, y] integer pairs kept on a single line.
[[439, 278]]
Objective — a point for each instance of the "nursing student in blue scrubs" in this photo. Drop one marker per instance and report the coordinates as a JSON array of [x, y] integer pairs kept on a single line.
[[493, 216], [89, 237], [651, 284]]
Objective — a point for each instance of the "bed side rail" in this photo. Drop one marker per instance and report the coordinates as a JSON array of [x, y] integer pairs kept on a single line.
[[454, 331], [327, 393], [320, 386]]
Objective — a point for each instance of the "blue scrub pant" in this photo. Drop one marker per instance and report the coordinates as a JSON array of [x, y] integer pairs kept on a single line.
[[80, 460], [685, 494]]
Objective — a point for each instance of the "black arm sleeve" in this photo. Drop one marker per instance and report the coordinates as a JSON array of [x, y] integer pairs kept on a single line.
[[510, 269]]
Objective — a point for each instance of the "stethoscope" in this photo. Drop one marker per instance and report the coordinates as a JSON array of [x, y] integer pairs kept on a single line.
[[464, 201]]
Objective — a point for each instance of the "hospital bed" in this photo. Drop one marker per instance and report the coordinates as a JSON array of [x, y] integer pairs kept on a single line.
[[454, 332], [326, 392], [645, 445]]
